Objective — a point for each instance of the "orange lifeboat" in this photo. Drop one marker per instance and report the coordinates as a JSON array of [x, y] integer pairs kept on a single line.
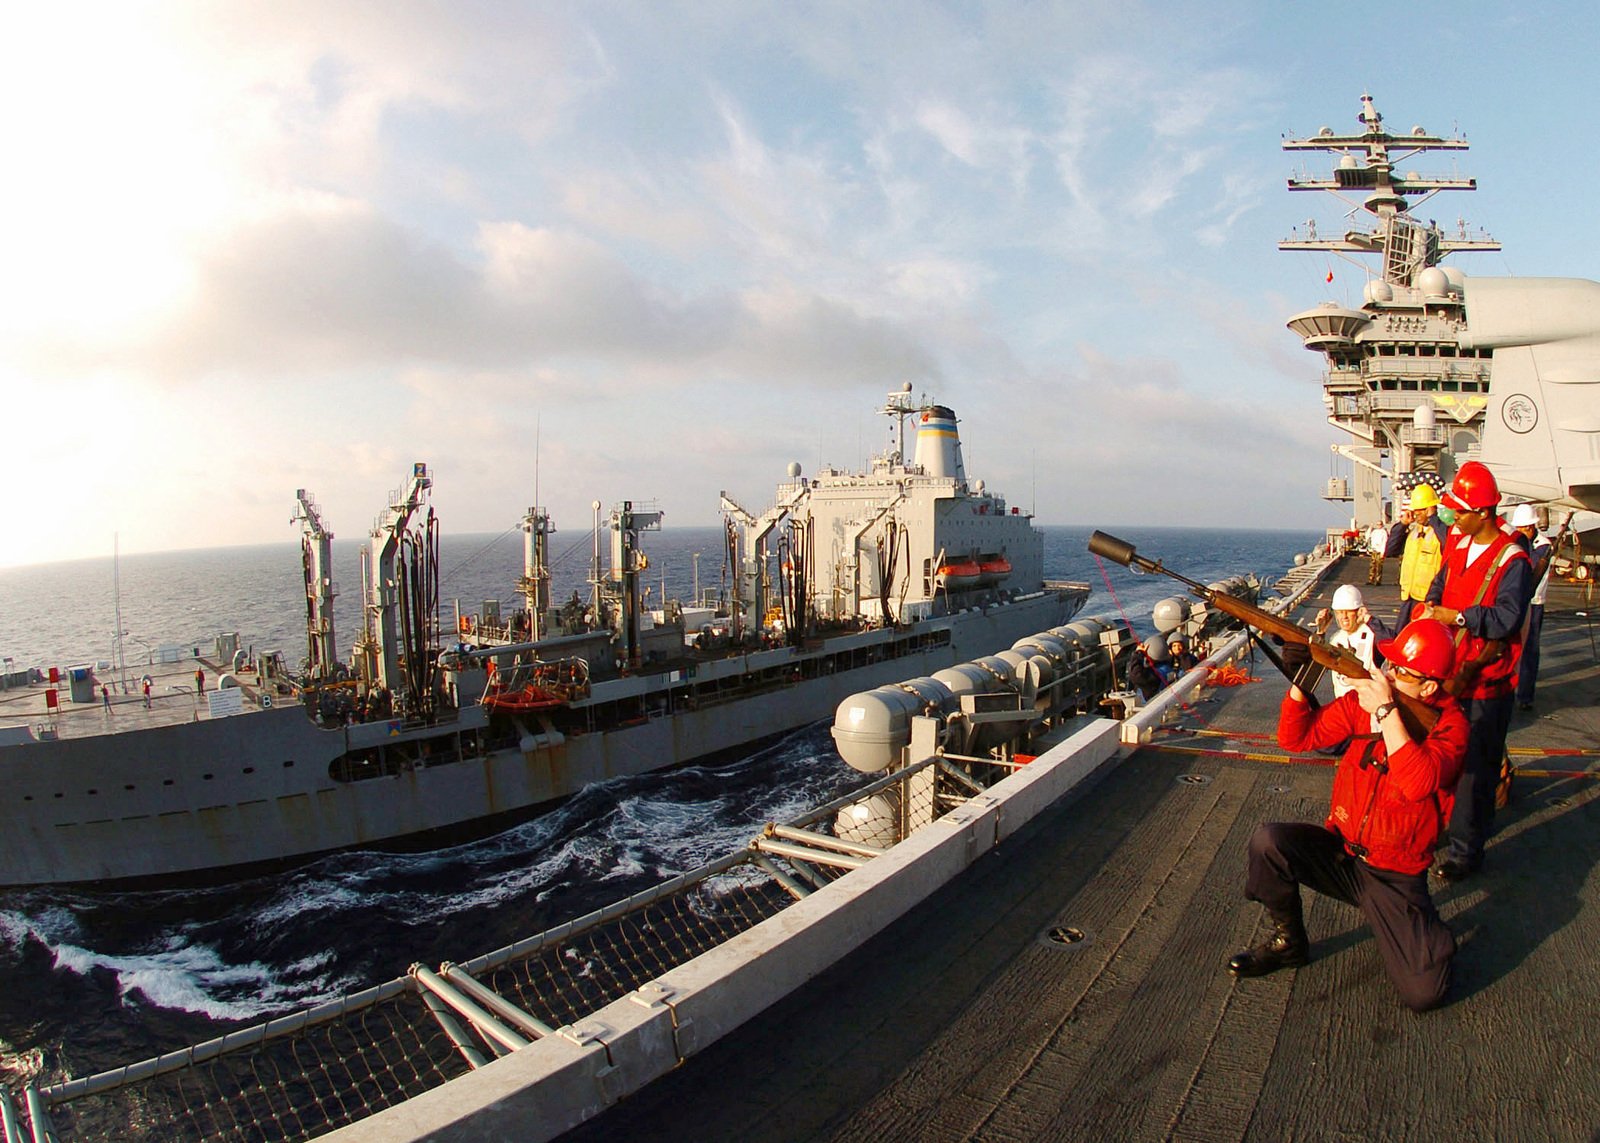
[[992, 569], [544, 686], [959, 573]]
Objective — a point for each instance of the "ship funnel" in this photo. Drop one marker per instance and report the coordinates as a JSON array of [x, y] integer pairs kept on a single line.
[[938, 443]]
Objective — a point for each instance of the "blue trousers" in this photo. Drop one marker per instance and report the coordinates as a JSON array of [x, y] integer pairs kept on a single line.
[[1471, 821], [1528, 666], [1416, 945]]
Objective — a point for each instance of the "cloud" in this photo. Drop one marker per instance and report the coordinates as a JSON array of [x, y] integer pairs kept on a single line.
[[329, 285], [1125, 433]]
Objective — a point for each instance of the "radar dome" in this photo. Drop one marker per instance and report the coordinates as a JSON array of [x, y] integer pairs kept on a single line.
[[1347, 162], [1379, 292], [794, 470], [1170, 614], [1433, 283]]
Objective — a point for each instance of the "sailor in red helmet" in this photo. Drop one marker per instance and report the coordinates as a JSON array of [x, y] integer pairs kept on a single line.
[[1391, 791], [1482, 594]]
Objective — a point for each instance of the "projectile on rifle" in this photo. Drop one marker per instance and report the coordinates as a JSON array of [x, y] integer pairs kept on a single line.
[[1124, 553]]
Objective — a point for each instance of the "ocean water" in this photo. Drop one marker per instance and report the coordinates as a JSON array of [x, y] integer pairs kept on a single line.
[[95, 979]]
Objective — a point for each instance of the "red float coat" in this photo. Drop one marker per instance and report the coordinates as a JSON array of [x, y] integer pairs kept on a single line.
[[1390, 810], [1463, 588]]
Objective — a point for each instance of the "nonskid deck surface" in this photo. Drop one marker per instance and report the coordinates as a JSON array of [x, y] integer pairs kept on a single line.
[[968, 1019]]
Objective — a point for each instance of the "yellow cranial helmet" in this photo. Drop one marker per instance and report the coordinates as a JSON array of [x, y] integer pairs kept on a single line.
[[1423, 496]]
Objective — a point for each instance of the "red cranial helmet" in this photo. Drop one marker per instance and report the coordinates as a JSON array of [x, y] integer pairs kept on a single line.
[[1474, 488], [1424, 646]]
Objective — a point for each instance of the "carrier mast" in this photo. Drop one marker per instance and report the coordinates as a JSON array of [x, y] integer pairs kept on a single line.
[[1398, 380]]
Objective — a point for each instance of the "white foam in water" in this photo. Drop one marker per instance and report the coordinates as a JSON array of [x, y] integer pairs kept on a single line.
[[195, 978], [192, 978]]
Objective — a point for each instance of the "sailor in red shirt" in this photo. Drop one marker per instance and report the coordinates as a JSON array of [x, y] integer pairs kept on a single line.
[[1391, 796], [1482, 594]]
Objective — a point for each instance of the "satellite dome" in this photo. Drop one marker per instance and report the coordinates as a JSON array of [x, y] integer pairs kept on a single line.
[[1433, 283], [794, 470], [1325, 133], [1346, 162], [1379, 292]]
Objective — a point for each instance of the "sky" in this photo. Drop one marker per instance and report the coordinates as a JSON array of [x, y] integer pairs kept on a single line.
[[570, 252]]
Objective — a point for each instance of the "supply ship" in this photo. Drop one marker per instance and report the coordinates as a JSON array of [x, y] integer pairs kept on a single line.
[[849, 580]]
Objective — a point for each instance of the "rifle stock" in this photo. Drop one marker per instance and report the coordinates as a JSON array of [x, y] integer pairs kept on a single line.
[[1466, 676], [1419, 717]]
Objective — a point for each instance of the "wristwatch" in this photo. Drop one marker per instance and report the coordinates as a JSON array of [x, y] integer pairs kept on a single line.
[[1384, 711], [1461, 619]]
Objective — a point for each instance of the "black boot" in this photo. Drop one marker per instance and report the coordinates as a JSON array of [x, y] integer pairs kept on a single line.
[[1287, 947]]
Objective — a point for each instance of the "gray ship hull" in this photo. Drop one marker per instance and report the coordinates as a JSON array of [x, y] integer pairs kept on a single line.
[[190, 800]]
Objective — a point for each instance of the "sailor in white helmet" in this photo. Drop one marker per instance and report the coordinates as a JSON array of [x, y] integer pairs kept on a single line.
[[1357, 629], [1525, 520]]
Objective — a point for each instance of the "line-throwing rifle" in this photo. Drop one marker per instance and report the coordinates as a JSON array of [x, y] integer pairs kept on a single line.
[[1418, 716]]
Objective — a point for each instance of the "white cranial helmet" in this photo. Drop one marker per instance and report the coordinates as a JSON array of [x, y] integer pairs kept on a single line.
[[1347, 598], [1522, 516]]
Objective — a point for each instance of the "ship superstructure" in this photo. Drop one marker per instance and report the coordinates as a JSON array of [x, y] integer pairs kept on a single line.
[[1399, 379], [907, 539], [1436, 367]]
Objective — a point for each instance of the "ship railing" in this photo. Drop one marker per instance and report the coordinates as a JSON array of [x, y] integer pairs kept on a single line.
[[298, 1076]]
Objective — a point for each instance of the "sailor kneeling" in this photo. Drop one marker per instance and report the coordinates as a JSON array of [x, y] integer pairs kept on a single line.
[[1390, 792]]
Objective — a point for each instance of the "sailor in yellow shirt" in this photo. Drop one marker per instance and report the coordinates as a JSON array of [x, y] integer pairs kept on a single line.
[[1424, 551]]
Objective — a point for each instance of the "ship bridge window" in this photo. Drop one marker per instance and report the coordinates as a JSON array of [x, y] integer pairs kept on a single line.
[[1385, 351], [1425, 351], [1388, 384], [1447, 351], [1409, 385], [1452, 386]]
